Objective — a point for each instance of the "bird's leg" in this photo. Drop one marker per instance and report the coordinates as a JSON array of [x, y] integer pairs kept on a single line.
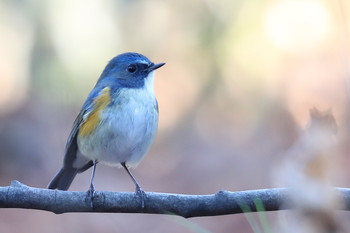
[[139, 190], [91, 190]]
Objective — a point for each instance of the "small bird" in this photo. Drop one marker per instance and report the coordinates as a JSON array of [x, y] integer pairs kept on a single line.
[[117, 123]]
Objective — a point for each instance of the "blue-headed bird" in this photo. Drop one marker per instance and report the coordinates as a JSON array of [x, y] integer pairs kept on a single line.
[[117, 123]]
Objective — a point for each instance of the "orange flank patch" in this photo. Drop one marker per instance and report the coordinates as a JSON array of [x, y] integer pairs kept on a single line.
[[93, 119]]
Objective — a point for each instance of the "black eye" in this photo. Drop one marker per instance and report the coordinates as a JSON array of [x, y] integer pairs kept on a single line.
[[131, 68]]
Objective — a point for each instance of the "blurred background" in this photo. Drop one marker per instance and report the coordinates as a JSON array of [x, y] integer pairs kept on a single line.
[[234, 99]]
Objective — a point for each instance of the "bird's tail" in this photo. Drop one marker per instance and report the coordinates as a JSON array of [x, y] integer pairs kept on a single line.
[[63, 179]]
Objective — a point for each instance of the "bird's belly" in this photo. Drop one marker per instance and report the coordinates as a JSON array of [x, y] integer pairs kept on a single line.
[[124, 134]]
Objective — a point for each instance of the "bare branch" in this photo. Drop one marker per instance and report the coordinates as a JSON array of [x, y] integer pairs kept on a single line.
[[19, 195]]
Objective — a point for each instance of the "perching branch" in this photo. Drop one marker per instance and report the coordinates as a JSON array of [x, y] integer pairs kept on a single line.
[[19, 195]]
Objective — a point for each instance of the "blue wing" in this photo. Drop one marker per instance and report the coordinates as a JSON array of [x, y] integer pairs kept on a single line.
[[72, 143]]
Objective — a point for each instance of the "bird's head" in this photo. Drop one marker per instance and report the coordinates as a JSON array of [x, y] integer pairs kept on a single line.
[[130, 70]]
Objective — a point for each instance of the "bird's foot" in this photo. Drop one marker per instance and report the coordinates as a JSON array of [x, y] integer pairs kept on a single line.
[[142, 195], [90, 195]]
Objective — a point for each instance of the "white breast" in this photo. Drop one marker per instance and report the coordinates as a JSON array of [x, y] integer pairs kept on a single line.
[[127, 130]]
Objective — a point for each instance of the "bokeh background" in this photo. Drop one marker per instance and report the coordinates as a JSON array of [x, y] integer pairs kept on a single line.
[[234, 97]]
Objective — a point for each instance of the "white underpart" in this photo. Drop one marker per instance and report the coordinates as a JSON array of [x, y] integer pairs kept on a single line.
[[149, 83], [126, 131]]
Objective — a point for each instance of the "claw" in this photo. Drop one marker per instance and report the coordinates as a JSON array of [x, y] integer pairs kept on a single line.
[[91, 191], [139, 190], [90, 195], [142, 195]]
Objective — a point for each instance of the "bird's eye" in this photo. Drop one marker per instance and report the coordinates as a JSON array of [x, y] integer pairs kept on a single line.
[[131, 68]]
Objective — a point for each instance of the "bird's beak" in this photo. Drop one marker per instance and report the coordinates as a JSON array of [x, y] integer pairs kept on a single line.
[[154, 67]]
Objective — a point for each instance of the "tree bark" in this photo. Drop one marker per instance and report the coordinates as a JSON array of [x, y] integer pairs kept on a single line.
[[19, 195]]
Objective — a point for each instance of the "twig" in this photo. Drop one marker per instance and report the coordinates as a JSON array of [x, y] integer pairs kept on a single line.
[[19, 195]]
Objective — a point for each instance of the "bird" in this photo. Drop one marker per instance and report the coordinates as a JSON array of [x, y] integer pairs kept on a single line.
[[116, 125]]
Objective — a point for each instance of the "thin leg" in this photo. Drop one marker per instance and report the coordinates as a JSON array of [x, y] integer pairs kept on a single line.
[[139, 190], [91, 190], [92, 177]]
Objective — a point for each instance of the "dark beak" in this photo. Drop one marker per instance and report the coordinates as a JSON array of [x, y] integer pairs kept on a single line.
[[154, 67]]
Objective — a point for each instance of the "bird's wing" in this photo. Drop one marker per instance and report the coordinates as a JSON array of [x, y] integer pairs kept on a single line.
[[86, 121]]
